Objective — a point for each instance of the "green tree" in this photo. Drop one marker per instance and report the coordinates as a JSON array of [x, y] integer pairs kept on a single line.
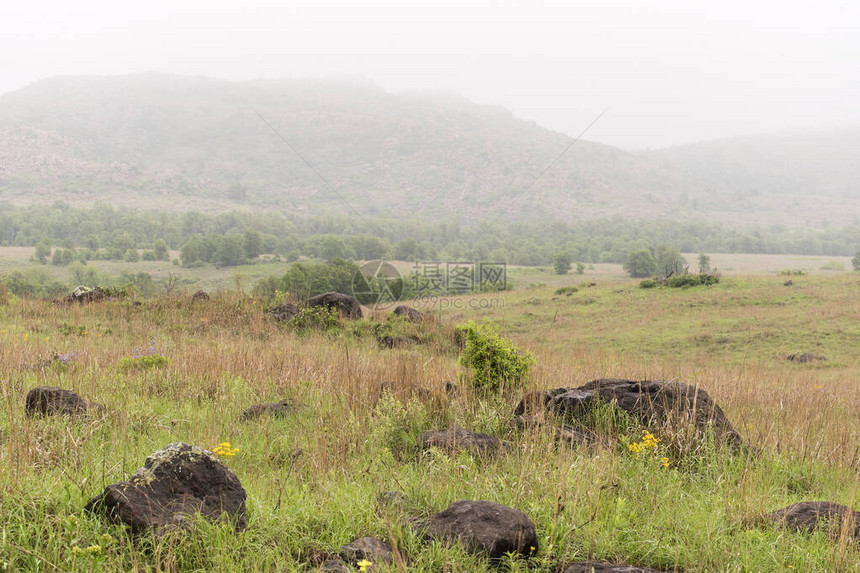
[[580, 268], [640, 264], [562, 263], [43, 250], [670, 262], [161, 251], [369, 247], [253, 244], [855, 262], [704, 264], [230, 251], [131, 256]]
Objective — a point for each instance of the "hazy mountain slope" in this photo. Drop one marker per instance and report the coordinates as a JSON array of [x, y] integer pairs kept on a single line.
[[794, 176], [178, 142]]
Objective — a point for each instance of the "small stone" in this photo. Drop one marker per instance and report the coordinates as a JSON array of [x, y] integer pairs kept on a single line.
[[604, 567], [274, 409], [367, 548], [455, 440]]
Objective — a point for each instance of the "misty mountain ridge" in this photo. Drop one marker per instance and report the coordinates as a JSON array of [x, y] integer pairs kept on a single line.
[[177, 142]]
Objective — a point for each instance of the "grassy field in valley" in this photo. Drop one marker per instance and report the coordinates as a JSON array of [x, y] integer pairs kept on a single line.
[[314, 477]]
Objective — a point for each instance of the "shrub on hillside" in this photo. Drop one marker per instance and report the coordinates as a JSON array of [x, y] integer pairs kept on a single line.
[[320, 318], [495, 362], [684, 281]]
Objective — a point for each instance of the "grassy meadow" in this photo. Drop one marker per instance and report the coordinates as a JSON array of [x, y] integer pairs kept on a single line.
[[314, 478]]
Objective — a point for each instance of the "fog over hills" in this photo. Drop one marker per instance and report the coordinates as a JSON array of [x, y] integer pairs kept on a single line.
[[176, 142]]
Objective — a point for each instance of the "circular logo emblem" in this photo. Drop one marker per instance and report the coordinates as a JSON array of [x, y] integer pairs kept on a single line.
[[377, 284]]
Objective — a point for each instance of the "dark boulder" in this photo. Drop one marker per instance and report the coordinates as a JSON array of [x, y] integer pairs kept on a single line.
[[455, 440], [284, 312], [482, 527], [603, 567], [47, 400], [562, 434], [200, 296], [409, 313], [369, 549], [347, 306], [809, 515], [651, 401], [176, 482], [274, 409]]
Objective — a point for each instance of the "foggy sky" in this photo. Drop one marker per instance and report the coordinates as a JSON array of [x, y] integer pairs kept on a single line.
[[671, 72]]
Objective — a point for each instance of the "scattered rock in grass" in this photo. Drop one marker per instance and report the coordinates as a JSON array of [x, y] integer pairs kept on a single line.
[[274, 409], [335, 566], [563, 434], [409, 313], [649, 400], [482, 527], [83, 294], [284, 312], [788, 283], [176, 482], [396, 341], [603, 567], [809, 515], [391, 499], [455, 440], [805, 357], [200, 296], [48, 400], [347, 306], [367, 549]]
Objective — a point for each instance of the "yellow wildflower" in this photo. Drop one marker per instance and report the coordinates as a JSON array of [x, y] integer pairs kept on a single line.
[[225, 450], [94, 549], [664, 462], [364, 564], [77, 550]]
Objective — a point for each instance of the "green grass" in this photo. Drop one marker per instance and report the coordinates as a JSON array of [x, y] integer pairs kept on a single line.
[[313, 478]]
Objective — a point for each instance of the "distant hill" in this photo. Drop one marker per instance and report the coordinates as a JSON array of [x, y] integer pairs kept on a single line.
[[163, 141]]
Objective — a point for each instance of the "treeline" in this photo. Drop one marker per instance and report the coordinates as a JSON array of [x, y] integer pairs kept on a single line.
[[229, 238]]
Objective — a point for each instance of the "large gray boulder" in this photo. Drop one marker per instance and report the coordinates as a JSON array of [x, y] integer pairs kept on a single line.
[[482, 528], [651, 401], [175, 483]]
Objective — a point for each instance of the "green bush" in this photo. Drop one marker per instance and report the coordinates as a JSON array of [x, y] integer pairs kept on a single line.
[[567, 289], [320, 318], [142, 362], [684, 281], [648, 283], [495, 362]]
